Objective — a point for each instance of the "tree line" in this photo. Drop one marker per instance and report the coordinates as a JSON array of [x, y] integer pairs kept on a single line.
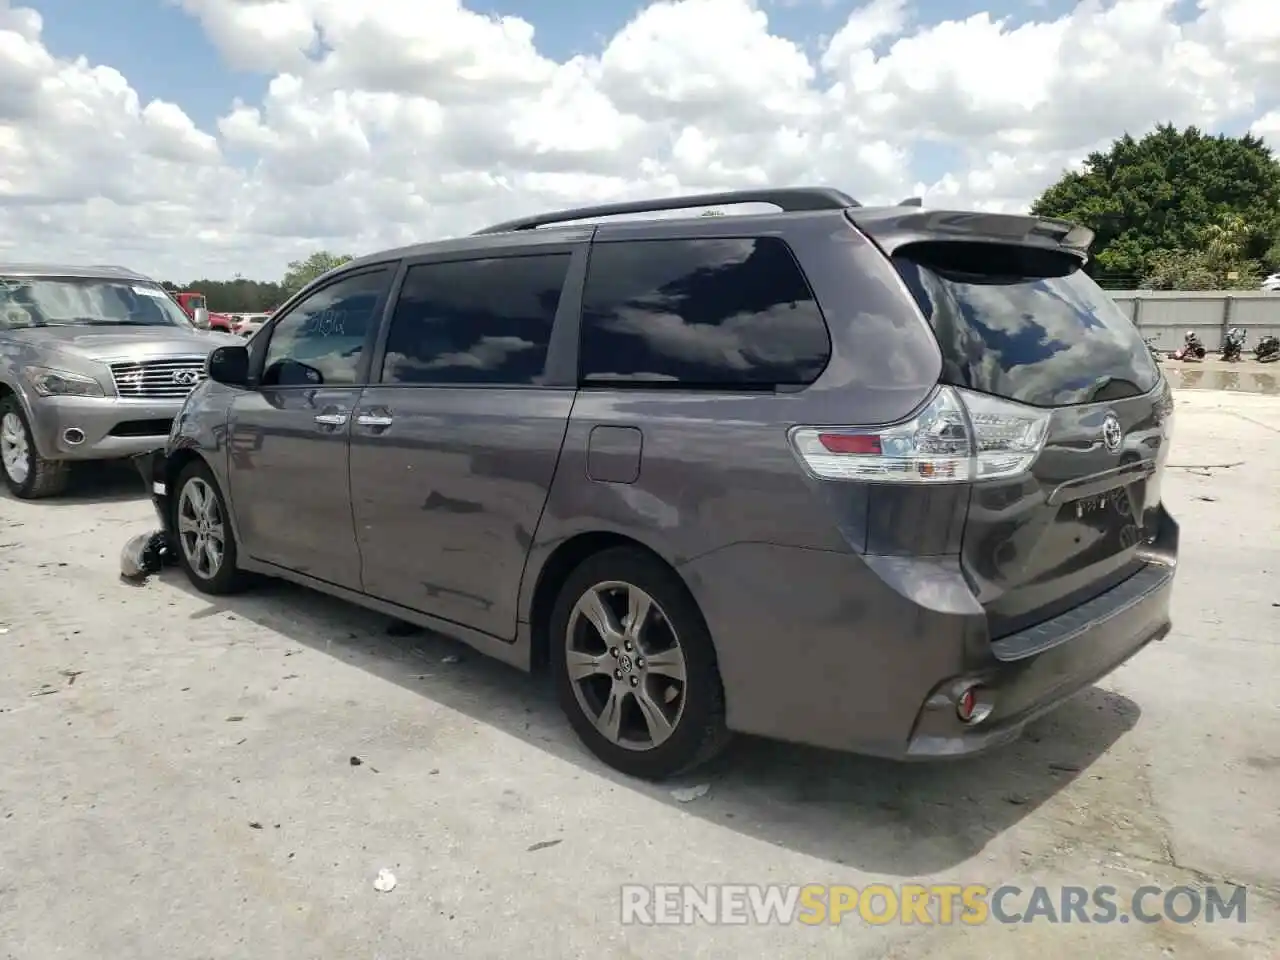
[[240, 295], [1174, 210]]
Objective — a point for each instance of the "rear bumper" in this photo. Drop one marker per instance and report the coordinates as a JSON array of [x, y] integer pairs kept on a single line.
[[870, 654], [1033, 672]]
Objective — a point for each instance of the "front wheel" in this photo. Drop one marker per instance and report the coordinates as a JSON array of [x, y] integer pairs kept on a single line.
[[28, 475], [202, 530], [635, 668]]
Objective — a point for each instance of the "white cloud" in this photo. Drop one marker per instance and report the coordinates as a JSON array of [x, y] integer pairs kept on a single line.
[[1268, 127], [866, 26], [394, 120], [267, 35]]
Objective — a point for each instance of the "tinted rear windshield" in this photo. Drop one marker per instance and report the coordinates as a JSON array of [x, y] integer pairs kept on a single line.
[[1025, 324]]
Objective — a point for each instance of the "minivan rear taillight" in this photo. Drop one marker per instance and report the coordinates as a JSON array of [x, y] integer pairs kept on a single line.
[[958, 436]]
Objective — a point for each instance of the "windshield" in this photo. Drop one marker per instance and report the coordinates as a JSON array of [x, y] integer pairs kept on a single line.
[[195, 303], [72, 301]]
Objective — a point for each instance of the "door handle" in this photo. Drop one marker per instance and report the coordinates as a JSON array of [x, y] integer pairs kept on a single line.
[[376, 421], [331, 419]]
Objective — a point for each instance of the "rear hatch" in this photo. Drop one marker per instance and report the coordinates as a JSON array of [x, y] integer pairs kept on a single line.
[[1018, 318]]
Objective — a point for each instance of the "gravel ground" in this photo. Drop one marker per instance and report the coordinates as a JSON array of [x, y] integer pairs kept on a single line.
[[178, 779]]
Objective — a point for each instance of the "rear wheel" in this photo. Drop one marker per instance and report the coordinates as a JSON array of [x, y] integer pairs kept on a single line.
[[202, 530], [27, 474], [635, 668]]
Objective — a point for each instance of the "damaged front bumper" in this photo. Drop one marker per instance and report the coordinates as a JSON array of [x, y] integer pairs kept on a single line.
[[148, 553], [152, 468]]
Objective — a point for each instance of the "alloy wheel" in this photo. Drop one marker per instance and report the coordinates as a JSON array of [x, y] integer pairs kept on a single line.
[[15, 452], [201, 528], [626, 665]]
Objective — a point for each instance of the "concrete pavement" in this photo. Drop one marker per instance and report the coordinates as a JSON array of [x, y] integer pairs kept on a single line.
[[176, 775]]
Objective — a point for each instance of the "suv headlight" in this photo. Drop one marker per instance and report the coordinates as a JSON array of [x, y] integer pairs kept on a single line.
[[63, 383]]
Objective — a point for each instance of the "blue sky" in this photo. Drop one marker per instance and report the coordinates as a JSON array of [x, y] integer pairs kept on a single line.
[[164, 53], [260, 204]]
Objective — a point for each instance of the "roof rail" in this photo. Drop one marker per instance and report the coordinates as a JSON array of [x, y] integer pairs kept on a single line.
[[912, 202], [789, 199]]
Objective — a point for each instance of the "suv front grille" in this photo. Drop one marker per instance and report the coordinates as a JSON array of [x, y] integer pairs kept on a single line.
[[170, 378]]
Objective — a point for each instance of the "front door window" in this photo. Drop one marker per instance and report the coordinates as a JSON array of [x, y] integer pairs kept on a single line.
[[321, 341]]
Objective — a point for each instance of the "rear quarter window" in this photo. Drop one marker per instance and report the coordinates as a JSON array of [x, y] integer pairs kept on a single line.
[[707, 313], [1025, 324]]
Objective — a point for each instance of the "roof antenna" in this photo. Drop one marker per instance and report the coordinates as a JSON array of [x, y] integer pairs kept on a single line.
[[911, 202]]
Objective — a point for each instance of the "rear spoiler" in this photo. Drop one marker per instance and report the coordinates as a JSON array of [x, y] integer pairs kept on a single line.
[[892, 228]]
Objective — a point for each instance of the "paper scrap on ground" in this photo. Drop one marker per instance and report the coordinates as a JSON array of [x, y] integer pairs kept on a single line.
[[687, 794]]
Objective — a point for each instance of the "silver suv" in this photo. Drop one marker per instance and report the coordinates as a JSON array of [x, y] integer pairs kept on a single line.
[[877, 479], [95, 362]]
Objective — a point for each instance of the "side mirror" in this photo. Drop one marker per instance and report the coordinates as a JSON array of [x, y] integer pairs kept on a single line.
[[292, 373], [229, 365]]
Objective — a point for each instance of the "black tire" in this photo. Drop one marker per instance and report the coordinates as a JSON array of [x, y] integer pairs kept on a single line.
[[699, 733], [45, 478], [227, 578]]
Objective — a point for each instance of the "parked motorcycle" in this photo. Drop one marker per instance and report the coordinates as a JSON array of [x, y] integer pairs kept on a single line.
[[1191, 351], [1267, 350], [1233, 344]]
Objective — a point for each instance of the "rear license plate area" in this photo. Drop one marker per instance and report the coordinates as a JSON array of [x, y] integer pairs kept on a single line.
[[1110, 521], [1115, 502]]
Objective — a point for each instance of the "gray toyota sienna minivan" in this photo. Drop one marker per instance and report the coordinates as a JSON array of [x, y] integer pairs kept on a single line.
[[876, 479]]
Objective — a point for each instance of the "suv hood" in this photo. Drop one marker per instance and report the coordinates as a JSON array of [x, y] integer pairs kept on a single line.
[[126, 343]]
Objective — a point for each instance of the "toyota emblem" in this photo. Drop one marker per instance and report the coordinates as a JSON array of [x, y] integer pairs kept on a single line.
[[185, 378], [1112, 436]]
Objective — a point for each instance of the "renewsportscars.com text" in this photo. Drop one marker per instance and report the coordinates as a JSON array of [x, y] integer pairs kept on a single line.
[[941, 904]]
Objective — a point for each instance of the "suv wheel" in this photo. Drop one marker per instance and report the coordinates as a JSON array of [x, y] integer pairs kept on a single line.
[[635, 667], [29, 475], [202, 529]]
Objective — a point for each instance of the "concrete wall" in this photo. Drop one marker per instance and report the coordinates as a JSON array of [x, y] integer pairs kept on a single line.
[[1165, 316]]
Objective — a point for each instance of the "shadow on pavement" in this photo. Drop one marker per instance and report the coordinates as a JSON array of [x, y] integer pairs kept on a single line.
[[108, 481], [885, 818]]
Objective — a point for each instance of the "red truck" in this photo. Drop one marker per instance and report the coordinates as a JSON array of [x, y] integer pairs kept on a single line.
[[193, 305], [196, 308]]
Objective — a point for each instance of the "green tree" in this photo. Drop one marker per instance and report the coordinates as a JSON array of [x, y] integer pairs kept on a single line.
[[1271, 259], [1199, 270], [302, 272], [1169, 194], [1217, 262], [1225, 240]]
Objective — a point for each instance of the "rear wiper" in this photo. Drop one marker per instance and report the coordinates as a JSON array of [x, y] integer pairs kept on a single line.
[[1119, 388], [1099, 385]]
